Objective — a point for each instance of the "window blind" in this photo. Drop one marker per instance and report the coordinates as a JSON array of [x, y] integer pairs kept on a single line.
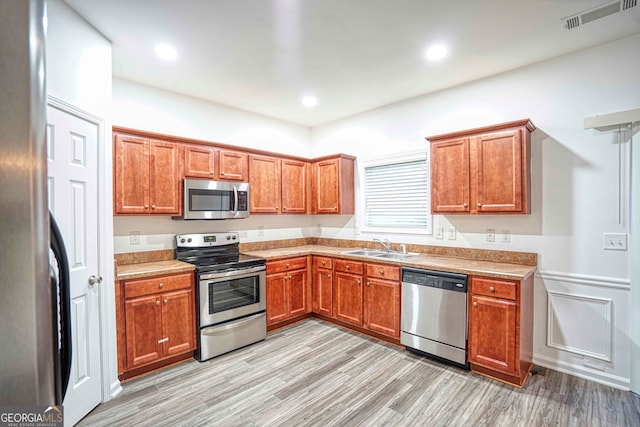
[[397, 195]]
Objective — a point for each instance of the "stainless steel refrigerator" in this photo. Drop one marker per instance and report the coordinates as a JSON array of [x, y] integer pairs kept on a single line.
[[34, 322]]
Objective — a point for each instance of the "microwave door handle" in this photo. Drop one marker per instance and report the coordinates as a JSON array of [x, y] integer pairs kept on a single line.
[[235, 199]]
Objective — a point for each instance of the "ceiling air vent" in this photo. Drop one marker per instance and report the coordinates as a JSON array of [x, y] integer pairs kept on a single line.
[[597, 12]]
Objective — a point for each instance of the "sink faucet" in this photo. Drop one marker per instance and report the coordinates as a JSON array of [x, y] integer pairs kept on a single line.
[[386, 243]]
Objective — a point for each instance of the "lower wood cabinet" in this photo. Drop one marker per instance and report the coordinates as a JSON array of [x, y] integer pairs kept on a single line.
[[156, 320], [288, 290], [501, 328], [382, 300], [348, 305], [322, 286]]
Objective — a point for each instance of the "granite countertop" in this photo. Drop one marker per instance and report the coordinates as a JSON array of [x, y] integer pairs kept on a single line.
[[501, 270], [150, 269]]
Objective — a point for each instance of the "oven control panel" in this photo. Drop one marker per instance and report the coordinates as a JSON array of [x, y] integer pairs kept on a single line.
[[206, 239]]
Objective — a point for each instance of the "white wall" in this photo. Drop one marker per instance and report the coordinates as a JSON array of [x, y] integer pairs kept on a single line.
[[78, 72], [142, 107], [574, 191]]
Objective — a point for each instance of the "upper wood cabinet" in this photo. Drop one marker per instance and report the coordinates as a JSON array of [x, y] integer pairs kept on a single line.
[[482, 171], [332, 185], [277, 185], [233, 165], [199, 161], [147, 176]]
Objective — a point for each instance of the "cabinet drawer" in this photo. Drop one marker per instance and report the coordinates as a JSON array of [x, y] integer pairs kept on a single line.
[[322, 262], [388, 272], [289, 264], [154, 285], [348, 266], [494, 288]]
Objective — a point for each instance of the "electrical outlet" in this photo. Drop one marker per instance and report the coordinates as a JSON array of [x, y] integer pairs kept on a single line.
[[452, 233], [594, 364], [506, 236], [439, 233], [615, 241], [134, 238], [261, 231], [490, 235]]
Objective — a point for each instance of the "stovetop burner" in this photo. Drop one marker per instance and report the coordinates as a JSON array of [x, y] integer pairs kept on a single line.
[[214, 252]]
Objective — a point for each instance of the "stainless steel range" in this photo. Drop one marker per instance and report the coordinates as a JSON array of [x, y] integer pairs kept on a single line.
[[230, 292]]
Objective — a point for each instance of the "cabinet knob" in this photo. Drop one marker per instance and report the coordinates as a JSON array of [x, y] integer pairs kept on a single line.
[[153, 206], [359, 282], [348, 267], [329, 276], [368, 283], [479, 205], [146, 206], [381, 272], [475, 304], [324, 262], [287, 265], [211, 173], [284, 208], [157, 302], [221, 173], [465, 205], [492, 289], [166, 301], [335, 209], [161, 285]]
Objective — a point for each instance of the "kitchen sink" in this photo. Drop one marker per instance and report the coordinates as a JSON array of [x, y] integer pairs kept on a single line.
[[365, 252], [381, 254]]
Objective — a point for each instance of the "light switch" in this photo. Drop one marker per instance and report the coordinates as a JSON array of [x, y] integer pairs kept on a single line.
[[490, 235], [452, 233], [439, 233], [134, 238], [615, 241]]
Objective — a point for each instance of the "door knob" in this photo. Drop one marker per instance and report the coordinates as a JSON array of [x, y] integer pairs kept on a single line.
[[93, 279]]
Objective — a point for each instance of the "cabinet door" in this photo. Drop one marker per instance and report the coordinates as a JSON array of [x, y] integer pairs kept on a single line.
[[178, 325], [323, 292], [497, 168], [164, 178], [131, 177], [199, 161], [382, 307], [294, 187], [450, 176], [348, 301], [264, 177], [143, 330], [232, 165], [276, 298], [492, 334], [327, 186], [297, 293]]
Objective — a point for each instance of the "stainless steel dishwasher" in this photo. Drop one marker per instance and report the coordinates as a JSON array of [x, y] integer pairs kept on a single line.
[[434, 314]]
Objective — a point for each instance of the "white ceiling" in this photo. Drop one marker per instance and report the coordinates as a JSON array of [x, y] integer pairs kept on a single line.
[[263, 56]]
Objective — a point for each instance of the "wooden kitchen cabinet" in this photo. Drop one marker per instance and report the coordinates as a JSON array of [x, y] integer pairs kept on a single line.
[[501, 328], [155, 321], [199, 161], [288, 290], [277, 185], [333, 185], [147, 176], [323, 285], [382, 300], [233, 166], [348, 284], [482, 171]]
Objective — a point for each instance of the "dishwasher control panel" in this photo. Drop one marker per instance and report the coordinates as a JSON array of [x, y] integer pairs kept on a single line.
[[435, 279]]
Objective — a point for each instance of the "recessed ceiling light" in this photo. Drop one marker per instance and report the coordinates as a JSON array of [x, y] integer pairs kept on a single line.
[[309, 101], [166, 52], [436, 52]]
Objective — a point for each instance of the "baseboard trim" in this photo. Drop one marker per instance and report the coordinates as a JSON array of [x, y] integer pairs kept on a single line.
[[115, 389], [604, 378]]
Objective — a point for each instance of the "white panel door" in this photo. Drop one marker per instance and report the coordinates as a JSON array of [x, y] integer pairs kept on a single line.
[[72, 152]]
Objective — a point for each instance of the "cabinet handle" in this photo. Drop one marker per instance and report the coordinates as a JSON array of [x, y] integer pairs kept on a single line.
[[475, 304], [161, 285], [166, 301], [492, 289], [157, 302]]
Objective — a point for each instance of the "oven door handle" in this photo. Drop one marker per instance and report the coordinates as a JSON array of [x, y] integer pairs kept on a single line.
[[215, 329], [234, 273]]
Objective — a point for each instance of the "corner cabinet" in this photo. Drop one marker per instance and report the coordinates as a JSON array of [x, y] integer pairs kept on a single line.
[[147, 176], [155, 320], [482, 171], [501, 328], [332, 185]]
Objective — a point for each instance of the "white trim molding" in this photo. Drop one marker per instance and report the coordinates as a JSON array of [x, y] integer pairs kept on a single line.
[[582, 279]]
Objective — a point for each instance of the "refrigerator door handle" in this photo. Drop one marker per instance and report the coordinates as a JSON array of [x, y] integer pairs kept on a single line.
[[63, 349]]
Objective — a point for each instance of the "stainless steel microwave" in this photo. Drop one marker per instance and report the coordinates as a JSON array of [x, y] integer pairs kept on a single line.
[[204, 199]]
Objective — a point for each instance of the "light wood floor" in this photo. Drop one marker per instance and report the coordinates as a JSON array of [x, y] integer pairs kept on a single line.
[[315, 373]]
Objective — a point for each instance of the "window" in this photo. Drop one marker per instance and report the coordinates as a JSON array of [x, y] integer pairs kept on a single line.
[[396, 195]]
